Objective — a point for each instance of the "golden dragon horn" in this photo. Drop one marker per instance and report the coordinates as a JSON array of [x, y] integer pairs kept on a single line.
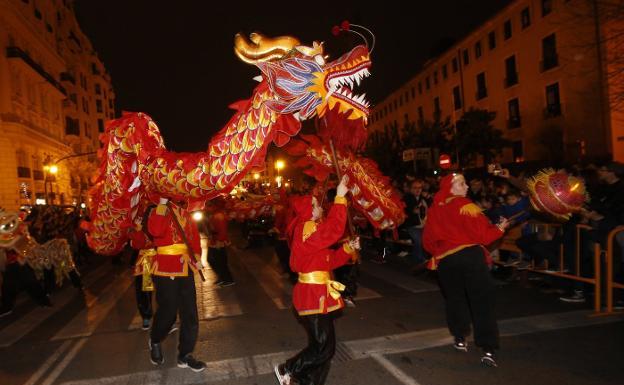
[[259, 48]]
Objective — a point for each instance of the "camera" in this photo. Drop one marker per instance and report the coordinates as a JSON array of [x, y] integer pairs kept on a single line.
[[495, 169]]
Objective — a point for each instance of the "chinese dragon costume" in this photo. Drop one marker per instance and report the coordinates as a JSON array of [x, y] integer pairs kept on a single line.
[[54, 254], [296, 84]]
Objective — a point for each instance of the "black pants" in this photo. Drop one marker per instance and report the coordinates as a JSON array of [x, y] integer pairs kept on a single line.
[[143, 298], [347, 275], [17, 278], [469, 291], [217, 259], [311, 365], [176, 296], [539, 250], [283, 254]]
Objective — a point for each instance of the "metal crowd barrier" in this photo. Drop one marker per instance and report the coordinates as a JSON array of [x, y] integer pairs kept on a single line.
[[611, 285]]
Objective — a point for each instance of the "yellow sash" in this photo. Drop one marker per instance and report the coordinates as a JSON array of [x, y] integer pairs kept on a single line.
[[323, 278], [175, 249]]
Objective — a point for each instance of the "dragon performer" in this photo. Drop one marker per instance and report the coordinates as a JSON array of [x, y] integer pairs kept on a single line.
[[296, 84], [54, 254], [373, 195]]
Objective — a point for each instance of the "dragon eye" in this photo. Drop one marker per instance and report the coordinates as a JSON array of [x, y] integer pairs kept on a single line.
[[320, 60]]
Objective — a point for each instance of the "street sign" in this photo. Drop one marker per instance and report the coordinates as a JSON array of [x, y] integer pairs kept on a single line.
[[445, 161]]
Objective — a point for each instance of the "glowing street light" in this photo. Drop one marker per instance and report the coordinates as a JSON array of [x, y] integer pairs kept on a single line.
[[53, 169], [279, 164], [256, 176], [198, 216]]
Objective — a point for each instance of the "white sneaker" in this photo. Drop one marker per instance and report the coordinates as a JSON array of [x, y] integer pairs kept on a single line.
[[403, 254], [282, 378], [577, 297]]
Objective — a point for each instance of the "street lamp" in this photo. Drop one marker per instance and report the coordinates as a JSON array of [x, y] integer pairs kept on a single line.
[[279, 164], [256, 176], [48, 168]]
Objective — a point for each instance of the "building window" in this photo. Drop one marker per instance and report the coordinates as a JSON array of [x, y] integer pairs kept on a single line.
[[553, 103], [427, 84], [100, 125], [549, 53], [513, 110], [98, 105], [37, 14], [437, 112], [477, 49], [396, 104], [525, 18], [481, 86], [435, 77], [419, 88], [85, 105], [421, 115], [546, 7], [507, 30], [492, 40], [406, 96], [98, 89], [466, 56], [413, 93], [457, 101], [455, 65], [511, 73], [444, 72]]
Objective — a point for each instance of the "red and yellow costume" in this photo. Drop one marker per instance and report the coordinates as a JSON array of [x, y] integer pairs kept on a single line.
[[143, 265], [455, 223], [218, 225], [172, 257], [311, 257]]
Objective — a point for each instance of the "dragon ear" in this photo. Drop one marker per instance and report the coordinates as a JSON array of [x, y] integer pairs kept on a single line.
[[316, 49]]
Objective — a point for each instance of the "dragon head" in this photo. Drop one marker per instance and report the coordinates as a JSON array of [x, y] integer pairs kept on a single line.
[[9, 226], [302, 81]]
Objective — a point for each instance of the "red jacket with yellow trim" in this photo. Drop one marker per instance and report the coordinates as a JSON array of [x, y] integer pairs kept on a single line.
[[161, 226], [455, 224], [140, 241], [310, 252]]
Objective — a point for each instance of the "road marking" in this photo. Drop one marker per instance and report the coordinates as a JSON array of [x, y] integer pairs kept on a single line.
[[398, 278], [49, 380], [375, 348], [88, 319], [394, 370], [215, 302], [275, 286], [46, 365], [16, 330]]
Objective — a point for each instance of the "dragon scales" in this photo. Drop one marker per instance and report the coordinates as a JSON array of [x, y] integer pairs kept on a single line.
[[296, 84]]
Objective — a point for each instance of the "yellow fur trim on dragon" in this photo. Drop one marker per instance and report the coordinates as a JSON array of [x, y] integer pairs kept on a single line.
[[55, 254], [137, 169]]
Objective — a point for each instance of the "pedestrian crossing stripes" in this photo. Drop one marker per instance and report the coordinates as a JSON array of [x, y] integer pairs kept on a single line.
[[17, 330], [213, 302]]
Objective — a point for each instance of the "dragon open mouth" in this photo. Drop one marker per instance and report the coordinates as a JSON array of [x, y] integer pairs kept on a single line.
[[340, 84]]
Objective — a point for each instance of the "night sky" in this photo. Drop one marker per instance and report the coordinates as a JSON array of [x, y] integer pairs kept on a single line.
[[175, 60]]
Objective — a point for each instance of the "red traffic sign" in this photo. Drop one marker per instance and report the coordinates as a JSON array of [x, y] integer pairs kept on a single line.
[[445, 161]]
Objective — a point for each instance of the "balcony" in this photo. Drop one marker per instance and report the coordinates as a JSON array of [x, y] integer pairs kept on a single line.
[[514, 122], [68, 77], [17, 53], [23, 172], [549, 62], [511, 79], [552, 111], [481, 93]]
